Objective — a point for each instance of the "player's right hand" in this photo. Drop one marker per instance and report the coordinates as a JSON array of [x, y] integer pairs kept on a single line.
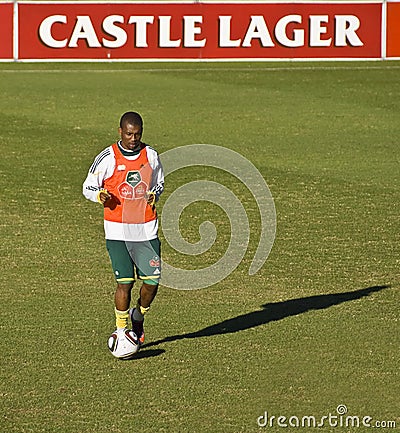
[[103, 196]]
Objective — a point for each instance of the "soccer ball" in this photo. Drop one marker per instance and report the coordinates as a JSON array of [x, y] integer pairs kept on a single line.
[[123, 343]]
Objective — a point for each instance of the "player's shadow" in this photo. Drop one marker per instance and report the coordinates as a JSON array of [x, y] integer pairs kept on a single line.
[[145, 354], [272, 312]]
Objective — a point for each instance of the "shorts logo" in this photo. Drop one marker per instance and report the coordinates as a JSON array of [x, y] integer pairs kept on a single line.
[[155, 262]]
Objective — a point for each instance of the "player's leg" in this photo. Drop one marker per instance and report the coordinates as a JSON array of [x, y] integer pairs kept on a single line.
[[146, 256], [147, 293], [122, 301], [123, 269]]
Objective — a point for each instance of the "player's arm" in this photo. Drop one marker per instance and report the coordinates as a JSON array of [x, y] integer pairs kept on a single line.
[[101, 169], [157, 181]]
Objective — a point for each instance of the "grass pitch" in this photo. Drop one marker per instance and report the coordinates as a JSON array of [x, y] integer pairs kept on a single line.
[[316, 328]]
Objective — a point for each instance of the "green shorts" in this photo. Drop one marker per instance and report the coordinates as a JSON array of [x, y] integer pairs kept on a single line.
[[131, 260]]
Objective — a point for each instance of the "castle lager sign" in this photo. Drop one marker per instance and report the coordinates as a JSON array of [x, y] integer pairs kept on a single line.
[[193, 31]]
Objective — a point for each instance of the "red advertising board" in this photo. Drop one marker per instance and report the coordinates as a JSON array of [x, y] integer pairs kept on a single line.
[[140, 31], [198, 30], [6, 30]]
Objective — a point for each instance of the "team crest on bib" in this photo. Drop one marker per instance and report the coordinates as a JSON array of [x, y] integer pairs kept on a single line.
[[133, 187], [133, 177]]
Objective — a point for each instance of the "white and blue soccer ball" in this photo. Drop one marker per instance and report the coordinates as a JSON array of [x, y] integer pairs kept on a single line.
[[123, 343]]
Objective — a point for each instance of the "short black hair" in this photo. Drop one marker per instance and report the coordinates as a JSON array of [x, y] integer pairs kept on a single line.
[[131, 117]]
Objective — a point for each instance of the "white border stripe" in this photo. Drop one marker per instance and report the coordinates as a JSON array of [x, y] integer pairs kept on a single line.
[[380, 67], [202, 2], [202, 60], [15, 31], [384, 30]]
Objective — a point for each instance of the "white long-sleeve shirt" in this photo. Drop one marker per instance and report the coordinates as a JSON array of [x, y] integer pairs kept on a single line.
[[103, 168]]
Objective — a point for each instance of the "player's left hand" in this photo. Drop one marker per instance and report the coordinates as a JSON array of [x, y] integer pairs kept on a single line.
[[151, 198]]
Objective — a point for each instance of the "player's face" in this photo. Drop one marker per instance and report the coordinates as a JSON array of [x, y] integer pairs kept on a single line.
[[130, 136]]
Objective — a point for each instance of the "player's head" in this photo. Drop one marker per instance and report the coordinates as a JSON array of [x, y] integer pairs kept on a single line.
[[130, 130], [132, 118]]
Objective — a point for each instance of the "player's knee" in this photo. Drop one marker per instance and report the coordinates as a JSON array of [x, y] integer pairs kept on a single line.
[[151, 287], [124, 287]]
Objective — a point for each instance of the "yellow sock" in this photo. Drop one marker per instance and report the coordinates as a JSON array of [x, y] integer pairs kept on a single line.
[[143, 310], [121, 318]]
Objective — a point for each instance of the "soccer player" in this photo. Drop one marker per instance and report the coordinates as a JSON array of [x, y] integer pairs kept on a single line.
[[127, 179]]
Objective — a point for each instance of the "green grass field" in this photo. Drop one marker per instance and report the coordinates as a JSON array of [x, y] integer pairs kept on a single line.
[[316, 327]]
